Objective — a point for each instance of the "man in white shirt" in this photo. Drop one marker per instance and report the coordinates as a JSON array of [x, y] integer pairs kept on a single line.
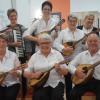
[[90, 56], [69, 34], [10, 86], [42, 61]]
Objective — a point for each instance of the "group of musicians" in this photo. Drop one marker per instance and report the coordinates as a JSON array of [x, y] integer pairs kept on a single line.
[[58, 53]]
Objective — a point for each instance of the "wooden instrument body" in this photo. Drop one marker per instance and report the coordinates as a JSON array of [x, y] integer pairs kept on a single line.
[[40, 81], [43, 78], [4, 74], [2, 77], [68, 44], [88, 70]]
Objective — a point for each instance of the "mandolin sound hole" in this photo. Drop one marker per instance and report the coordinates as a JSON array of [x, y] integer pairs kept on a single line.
[[85, 69]]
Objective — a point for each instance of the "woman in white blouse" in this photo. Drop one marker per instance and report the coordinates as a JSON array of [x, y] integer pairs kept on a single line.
[[46, 23], [42, 61], [10, 86]]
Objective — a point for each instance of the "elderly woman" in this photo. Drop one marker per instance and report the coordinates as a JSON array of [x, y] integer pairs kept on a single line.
[[10, 86], [46, 23], [42, 61], [16, 42], [87, 26]]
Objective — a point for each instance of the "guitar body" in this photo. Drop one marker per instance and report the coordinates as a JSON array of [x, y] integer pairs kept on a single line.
[[40, 81], [88, 71], [67, 45]]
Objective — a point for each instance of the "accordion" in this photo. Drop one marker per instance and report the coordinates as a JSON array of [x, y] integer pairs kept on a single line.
[[18, 38]]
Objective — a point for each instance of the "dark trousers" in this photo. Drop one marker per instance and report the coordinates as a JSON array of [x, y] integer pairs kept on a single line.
[[79, 90], [9, 93], [49, 93], [68, 85]]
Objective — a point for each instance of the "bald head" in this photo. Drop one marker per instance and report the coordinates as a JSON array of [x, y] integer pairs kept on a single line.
[[93, 36], [93, 43]]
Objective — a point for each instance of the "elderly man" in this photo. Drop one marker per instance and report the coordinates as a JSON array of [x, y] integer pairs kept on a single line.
[[70, 34], [10, 86], [90, 56], [42, 61]]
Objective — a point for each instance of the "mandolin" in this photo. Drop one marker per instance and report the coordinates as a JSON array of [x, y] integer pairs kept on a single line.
[[4, 74], [43, 78], [52, 29], [74, 43], [88, 70]]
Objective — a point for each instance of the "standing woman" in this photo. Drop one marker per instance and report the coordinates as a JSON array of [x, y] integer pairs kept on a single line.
[[15, 36], [10, 86], [16, 43], [44, 24]]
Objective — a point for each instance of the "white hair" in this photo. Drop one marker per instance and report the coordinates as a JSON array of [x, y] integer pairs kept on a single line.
[[45, 36]]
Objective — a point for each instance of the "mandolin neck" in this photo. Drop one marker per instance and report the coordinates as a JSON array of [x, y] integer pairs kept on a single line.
[[59, 23], [62, 62], [93, 65]]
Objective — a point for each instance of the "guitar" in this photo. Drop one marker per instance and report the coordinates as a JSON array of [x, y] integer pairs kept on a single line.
[[88, 70], [4, 74], [43, 78]]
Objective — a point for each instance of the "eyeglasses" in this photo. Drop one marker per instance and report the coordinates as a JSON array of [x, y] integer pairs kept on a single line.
[[46, 9]]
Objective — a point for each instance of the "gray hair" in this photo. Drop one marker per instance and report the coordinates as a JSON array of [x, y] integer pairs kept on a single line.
[[89, 15], [72, 16], [45, 36]]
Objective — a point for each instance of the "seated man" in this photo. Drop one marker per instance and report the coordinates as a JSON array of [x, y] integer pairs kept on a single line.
[[42, 61], [90, 56]]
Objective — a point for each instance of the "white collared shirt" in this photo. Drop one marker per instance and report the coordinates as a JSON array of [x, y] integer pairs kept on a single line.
[[40, 26], [86, 58], [10, 60], [66, 36], [86, 31], [38, 62]]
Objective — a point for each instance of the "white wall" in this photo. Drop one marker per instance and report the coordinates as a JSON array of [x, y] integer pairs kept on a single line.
[[4, 6], [36, 8], [23, 9], [28, 10], [84, 5]]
